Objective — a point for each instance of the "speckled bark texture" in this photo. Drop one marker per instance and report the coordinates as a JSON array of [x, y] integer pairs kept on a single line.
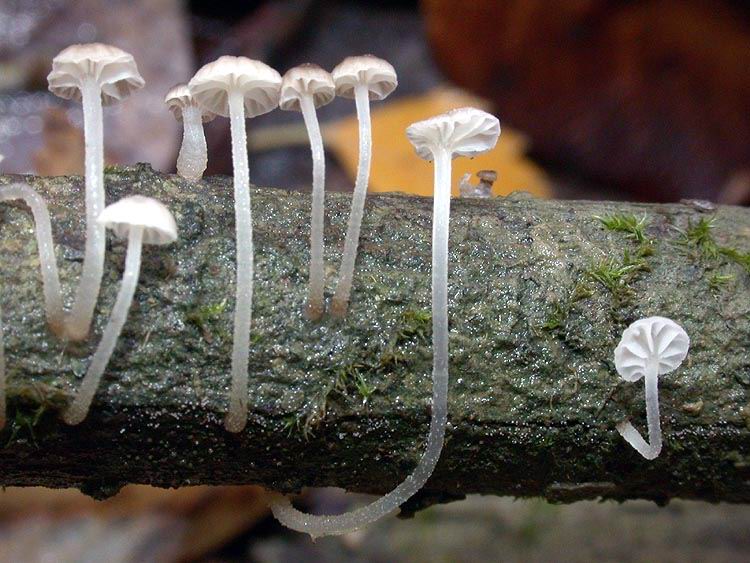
[[540, 293]]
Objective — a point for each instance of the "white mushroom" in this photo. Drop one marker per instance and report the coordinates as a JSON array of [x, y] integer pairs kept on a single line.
[[305, 88], [193, 157], [649, 347], [363, 78], [237, 87], [463, 132], [141, 220], [97, 75]]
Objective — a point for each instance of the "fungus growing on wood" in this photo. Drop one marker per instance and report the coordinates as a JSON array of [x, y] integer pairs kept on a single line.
[[237, 87], [193, 157], [305, 88], [363, 78], [95, 74], [141, 220], [649, 348], [462, 132]]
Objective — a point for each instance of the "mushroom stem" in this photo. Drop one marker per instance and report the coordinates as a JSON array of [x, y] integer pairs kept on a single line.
[[193, 157], [627, 430], [317, 279], [316, 525], [79, 408], [47, 262], [93, 262], [340, 302], [237, 416]]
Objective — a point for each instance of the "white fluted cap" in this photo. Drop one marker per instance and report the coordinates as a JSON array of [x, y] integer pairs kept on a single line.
[[653, 338], [258, 83], [463, 131], [157, 221], [377, 74], [114, 70], [306, 80], [179, 98]]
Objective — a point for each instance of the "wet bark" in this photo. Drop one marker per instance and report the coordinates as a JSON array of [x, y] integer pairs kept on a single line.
[[540, 292]]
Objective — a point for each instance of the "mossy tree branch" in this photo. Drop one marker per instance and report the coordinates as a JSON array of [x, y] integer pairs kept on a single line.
[[540, 293]]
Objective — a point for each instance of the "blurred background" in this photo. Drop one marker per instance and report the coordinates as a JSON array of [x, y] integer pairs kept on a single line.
[[619, 99]]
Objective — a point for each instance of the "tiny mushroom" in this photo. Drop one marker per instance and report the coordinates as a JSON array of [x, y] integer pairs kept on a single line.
[[363, 78], [193, 157], [649, 348], [141, 220], [95, 74], [305, 88], [237, 87], [463, 132]]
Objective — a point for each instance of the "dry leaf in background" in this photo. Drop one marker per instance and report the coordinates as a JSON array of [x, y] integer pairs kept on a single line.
[[35, 522], [396, 167], [62, 151]]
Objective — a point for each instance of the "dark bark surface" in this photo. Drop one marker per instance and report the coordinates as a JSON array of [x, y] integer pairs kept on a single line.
[[540, 293]]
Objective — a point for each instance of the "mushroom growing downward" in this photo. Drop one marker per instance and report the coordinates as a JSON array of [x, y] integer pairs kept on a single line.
[[96, 75], [462, 132], [141, 220], [236, 87], [305, 88], [363, 78], [193, 157], [649, 348]]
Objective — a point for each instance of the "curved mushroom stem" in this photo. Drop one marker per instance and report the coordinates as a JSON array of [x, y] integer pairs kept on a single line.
[[318, 526], [47, 262], [87, 294], [79, 408], [317, 279], [193, 157], [627, 430], [340, 302], [237, 416]]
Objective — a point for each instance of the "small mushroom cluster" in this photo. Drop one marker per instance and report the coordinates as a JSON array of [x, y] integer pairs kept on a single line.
[[241, 88]]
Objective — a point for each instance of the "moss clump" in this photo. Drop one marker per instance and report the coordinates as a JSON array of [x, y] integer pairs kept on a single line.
[[203, 317], [632, 226], [617, 275]]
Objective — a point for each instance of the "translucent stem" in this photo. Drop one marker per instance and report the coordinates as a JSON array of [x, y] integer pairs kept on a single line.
[[340, 302], [79, 408], [237, 416], [318, 526], [627, 430], [93, 261], [317, 268], [193, 157], [47, 262]]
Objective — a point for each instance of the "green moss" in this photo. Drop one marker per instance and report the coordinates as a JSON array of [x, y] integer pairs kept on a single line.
[[203, 317], [616, 275], [717, 280], [741, 258], [634, 227], [698, 239]]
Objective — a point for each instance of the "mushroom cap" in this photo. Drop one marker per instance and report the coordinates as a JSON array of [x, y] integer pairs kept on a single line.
[[258, 83], [158, 223], [178, 98], [114, 70], [653, 338], [377, 74], [306, 80], [464, 131]]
